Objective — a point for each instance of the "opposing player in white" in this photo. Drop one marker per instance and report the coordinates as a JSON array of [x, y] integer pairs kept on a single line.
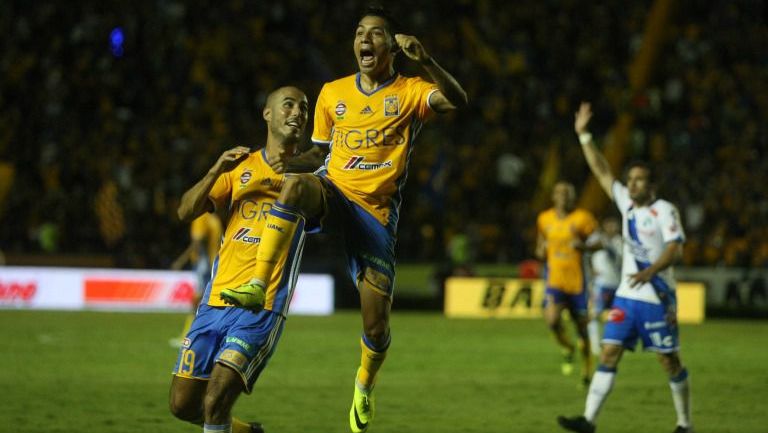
[[645, 305], [606, 274]]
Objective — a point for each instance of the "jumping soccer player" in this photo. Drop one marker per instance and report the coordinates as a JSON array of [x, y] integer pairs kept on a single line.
[[368, 122]]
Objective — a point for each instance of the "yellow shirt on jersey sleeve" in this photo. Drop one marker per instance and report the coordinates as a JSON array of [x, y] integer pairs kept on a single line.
[[370, 137], [207, 228], [565, 268]]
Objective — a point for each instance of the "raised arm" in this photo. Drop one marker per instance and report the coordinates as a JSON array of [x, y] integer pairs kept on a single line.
[[596, 160], [195, 201], [450, 95]]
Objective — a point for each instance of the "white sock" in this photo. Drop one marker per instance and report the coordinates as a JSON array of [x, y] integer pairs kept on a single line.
[[217, 428], [602, 382], [593, 328], [681, 396]]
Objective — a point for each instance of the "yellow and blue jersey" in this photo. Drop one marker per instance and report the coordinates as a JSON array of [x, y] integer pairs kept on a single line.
[[565, 266], [206, 229], [370, 138], [248, 193]]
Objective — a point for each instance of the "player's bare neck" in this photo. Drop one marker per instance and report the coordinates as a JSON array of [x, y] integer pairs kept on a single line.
[[277, 148], [645, 201], [562, 212], [370, 81]]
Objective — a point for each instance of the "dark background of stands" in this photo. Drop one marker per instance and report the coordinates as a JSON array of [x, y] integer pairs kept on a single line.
[[103, 142]]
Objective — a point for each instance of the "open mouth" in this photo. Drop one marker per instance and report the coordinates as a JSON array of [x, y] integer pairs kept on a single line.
[[366, 56], [294, 124]]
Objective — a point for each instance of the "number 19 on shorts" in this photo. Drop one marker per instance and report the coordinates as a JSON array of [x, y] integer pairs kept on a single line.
[[187, 362]]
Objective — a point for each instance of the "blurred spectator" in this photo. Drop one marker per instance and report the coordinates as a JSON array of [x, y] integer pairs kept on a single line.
[[105, 131]]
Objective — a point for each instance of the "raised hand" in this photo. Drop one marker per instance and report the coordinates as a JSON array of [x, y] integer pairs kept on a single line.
[[229, 159], [582, 117], [412, 48]]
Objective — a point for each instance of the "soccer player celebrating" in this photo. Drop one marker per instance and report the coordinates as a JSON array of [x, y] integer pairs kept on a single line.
[[368, 122], [645, 306], [227, 348], [563, 231]]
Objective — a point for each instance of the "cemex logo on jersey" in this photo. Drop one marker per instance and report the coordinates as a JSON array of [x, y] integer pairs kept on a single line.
[[242, 236], [356, 163]]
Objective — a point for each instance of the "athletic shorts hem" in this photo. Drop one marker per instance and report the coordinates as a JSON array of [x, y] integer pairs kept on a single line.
[[379, 291], [247, 387], [660, 350], [188, 376], [615, 343]]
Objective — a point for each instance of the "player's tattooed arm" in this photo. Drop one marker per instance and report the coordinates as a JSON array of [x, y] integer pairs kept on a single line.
[[596, 160], [195, 200], [450, 95]]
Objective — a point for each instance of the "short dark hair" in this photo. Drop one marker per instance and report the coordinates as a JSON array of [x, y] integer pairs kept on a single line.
[[376, 10], [645, 166]]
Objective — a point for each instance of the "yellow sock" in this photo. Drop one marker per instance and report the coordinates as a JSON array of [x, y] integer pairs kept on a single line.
[[239, 426], [370, 362], [187, 324], [278, 231]]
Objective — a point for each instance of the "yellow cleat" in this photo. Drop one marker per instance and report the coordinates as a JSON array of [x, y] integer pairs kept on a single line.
[[361, 414], [567, 366], [249, 296]]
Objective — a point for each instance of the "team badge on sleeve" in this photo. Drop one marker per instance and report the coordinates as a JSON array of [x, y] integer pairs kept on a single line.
[[341, 108], [391, 106]]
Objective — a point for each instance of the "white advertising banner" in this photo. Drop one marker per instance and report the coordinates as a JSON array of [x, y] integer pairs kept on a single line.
[[131, 290], [43, 288]]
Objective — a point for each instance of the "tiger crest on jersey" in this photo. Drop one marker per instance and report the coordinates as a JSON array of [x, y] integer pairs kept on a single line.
[[391, 106]]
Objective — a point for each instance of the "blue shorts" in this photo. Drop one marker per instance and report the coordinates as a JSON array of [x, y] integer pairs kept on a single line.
[[603, 297], [368, 243], [235, 337], [576, 304], [655, 324]]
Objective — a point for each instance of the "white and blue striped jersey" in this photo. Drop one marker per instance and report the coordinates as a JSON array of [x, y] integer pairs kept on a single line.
[[646, 231]]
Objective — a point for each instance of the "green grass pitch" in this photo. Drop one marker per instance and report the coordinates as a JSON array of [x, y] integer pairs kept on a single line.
[[110, 372]]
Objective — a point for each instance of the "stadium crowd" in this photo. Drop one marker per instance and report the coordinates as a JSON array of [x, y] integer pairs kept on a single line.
[[108, 114]]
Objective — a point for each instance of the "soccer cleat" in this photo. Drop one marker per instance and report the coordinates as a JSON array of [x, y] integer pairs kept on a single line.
[[249, 296], [567, 366], [257, 428], [579, 424], [681, 429], [361, 414]]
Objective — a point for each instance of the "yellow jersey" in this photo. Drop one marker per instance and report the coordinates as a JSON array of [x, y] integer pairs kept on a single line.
[[370, 138], [206, 229], [565, 268], [247, 193]]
